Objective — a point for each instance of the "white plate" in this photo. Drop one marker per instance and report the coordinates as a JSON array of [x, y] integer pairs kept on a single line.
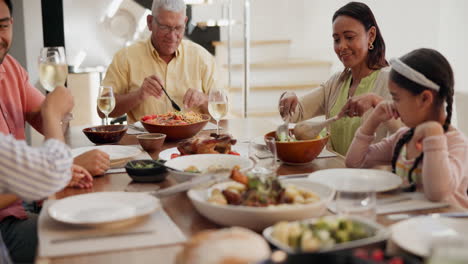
[[416, 234], [116, 152], [203, 162], [380, 233], [242, 149], [382, 180], [258, 218], [103, 207]]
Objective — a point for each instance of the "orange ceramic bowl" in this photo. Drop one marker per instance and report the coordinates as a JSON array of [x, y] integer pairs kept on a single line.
[[298, 152], [105, 134], [177, 132]]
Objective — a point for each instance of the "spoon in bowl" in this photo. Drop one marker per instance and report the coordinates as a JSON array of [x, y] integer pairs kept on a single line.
[[311, 129], [282, 132]]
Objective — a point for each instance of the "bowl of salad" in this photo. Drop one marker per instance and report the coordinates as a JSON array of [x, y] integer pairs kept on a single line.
[[176, 125], [325, 234], [146, 171], [294, 151]]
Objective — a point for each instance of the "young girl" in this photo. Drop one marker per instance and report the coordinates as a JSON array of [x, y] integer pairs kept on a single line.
[[429, 153]]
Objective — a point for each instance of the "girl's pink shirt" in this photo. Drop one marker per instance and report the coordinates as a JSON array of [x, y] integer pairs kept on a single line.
[[444, 166]]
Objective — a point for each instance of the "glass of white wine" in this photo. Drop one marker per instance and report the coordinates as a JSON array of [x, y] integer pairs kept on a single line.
[[106, 101], [217, 105], [53, 69]]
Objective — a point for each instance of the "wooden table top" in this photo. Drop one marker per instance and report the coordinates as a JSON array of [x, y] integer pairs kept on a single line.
[[178, 206]]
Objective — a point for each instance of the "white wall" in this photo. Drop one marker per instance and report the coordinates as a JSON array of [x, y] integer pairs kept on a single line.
[[406, 25]]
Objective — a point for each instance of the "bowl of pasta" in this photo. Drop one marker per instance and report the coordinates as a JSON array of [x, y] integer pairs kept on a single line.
[[257, 203], [176, 125]]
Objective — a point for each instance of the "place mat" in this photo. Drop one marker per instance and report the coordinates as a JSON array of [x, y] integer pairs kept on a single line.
[[57, 239], [408, 202], [141, 130], [119, 167]]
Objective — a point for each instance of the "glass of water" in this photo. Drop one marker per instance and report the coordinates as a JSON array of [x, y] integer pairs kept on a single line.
[[448, 250], [264, 156], [356, 197]]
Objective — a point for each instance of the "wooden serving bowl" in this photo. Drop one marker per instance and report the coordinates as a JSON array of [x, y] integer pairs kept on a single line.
[[105, 134], [177, 132], [301, 151]]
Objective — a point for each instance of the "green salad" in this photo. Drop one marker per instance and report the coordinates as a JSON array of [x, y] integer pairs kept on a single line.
[[143, 165], [322, 234]]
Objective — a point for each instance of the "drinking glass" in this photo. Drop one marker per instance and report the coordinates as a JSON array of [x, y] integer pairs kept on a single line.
[[264, 156], [356, 197], [448, 250], [217, 105], [53, 69], [106, 101]]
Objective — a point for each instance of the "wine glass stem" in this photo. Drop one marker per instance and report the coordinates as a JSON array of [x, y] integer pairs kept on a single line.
[[106, 120], [217, 126]]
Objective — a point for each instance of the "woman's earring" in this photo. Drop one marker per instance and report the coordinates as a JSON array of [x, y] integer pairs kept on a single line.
[[371, 46]]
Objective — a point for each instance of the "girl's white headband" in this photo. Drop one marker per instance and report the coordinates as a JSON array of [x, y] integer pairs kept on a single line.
[[412, 74]]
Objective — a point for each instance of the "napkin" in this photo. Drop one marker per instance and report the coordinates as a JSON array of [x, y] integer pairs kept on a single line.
[[57, 239], [136, 129], [409, 202], [141, 130]]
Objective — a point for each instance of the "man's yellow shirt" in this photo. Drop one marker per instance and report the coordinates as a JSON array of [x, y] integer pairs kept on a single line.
[[192, 67]]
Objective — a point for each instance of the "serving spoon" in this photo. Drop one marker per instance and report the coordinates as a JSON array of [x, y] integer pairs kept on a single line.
[[311, 129], [282, 132]]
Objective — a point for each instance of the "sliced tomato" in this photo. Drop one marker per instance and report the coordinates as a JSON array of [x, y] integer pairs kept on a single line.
[[175, 155], [234, 153], [147, 117], [177, 117]]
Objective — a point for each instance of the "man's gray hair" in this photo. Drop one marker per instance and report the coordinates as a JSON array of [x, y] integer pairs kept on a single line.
[[169, 5]]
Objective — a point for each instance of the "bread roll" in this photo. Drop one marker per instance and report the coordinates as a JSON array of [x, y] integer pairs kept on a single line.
[[234, 245]]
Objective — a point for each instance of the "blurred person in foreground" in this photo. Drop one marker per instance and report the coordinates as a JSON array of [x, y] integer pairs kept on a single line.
[[20, 102], [34, 174], [140, 72]]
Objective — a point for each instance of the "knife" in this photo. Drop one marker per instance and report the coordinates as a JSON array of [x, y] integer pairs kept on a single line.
[[186, 185], [451, 214]]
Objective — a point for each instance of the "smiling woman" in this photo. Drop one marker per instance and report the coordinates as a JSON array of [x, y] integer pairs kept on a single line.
[[362, 84]]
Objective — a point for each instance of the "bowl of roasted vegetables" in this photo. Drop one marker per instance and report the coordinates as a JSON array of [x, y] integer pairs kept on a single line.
[[331, 233], [255, 202], [294, 151], [176, 125], [145, 171]]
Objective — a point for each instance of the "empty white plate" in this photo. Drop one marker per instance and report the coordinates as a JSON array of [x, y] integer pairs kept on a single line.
[[416, 234], [116, 152], [354, 178], [103, 207]]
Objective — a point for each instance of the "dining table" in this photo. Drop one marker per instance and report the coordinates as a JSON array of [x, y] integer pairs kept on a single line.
[[178, 206]]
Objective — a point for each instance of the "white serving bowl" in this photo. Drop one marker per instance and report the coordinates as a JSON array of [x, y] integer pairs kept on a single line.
[[378, 233], [203, 161], [258, 218]]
